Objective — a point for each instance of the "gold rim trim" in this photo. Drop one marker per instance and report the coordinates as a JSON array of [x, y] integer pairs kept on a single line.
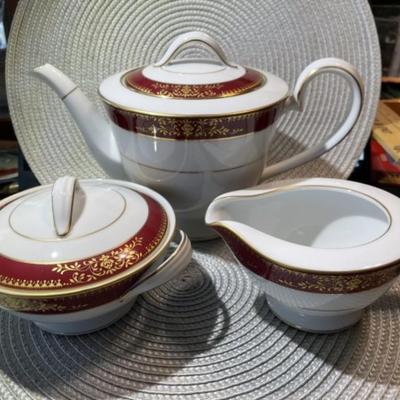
[[63, 261], [229, 93], [299, 269], [221, 139], [53, 211], [69, 292], [54, 263], [37, 306], [63, 238], [332, 69], [236, 133], [170, 257], [194, 116], [195, 172], [60, 261]]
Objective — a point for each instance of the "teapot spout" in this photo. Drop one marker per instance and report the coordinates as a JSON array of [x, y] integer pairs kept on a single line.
[[95, 129]]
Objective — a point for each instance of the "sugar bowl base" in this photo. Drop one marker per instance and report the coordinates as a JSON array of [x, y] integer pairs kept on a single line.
[[81, 322], [312, 320]]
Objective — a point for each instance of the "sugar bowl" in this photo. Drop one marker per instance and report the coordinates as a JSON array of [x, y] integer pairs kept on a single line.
[[74, 255]]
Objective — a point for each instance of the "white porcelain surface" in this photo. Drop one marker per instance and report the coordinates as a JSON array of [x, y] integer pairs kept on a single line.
[[315, 322], [194, 190], [312, 71], [90, 320], [185, 39], [339, 245], [317, 312], [316, 217], [320, 302], [195, 72], [97, 132], [107, 148], [193, 155], [62, 200], [113, 91], [106, 214], [85, 325], [317, 226]]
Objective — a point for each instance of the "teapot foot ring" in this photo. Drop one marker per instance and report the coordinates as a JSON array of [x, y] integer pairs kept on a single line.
[[314, 321]]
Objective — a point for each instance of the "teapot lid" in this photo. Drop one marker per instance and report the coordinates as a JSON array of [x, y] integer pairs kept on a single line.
[[78, 234], [208, 87], [194, 79]]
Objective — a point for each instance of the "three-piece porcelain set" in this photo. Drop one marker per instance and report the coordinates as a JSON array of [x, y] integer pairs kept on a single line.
[[75, 255]]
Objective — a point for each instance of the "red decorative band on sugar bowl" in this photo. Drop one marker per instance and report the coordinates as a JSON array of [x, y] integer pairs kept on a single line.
[[69, 303], [196, 128], [305, 281], [23, 276], [137, 81]]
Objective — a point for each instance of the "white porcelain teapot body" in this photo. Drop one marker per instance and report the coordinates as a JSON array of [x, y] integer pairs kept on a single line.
[[193, 129]]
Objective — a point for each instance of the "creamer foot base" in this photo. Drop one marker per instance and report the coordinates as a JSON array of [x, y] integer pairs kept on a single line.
[[311, 321]]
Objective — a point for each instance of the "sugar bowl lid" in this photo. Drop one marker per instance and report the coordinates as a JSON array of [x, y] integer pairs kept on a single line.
[[78, 234], [208, 87]]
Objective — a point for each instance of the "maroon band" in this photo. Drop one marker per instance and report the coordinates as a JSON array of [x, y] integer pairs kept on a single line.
[[305, 281], [179, 128], [25, 276], [137, 81]]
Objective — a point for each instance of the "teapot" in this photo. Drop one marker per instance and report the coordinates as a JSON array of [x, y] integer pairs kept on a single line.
[[192, 129]]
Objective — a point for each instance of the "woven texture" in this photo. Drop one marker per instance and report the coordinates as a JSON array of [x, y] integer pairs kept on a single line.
[[207, 335], [89, 40]]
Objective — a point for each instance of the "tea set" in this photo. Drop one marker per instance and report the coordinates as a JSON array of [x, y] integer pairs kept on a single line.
[[186, 144]]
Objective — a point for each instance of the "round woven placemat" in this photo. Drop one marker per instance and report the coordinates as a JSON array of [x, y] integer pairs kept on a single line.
[[207, 335], [89, 40]]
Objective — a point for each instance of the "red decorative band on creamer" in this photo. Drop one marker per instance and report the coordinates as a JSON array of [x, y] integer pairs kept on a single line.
[[201, 128], [305, 281]]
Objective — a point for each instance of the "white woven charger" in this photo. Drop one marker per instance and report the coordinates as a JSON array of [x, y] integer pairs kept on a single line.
[[91, 39], [208, 335]]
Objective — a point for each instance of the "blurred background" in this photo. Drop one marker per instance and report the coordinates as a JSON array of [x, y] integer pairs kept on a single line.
[[387, 18]]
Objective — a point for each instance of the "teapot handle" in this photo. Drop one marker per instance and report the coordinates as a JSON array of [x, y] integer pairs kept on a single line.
[[316, 68], [183, 40]]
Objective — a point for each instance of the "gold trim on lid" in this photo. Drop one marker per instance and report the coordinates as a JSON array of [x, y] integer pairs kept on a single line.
[[179, 91], [54, 288], [195, 116]]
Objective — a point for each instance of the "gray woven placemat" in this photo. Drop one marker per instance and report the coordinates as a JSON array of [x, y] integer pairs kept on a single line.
[[91, 39], [207, 335]]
